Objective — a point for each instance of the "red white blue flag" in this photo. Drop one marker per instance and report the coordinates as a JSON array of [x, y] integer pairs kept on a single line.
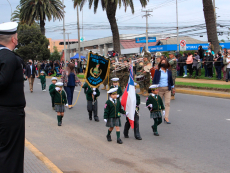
[[128, 100]]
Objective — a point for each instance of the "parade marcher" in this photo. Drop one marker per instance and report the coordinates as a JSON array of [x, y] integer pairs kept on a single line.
[[136, 120], [12, 102], [91, 96], [39, 68], [51, 90], [163, 77], [42, 78], [115, 85], [155, 106], [111, 73], [30, 74], [124, 74], [112, 114], [59, 101], [70, 80], [173, 64], [146, 82]]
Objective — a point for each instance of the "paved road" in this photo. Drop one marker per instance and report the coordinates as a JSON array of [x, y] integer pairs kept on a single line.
[[198, 139]]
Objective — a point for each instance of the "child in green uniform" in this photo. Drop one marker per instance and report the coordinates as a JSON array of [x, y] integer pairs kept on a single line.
[[60, 101], [115, 85], [136, 120], [91, 97], [52, 88], [42, 78], [155, 105], [112, 114]]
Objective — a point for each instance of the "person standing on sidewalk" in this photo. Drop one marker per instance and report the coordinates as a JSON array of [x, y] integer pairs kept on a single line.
[[30, 74], [184, 59], [196, 59], [227, 67], [189, 63], [163, 77], [12, 102], [173, 64]]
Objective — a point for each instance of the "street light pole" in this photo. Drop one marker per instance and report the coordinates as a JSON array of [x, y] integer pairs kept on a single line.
[[64, 31], [177, 27], [78, 28], [147, 38]]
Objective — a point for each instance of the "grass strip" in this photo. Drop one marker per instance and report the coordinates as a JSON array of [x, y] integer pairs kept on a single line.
[[203, 85]]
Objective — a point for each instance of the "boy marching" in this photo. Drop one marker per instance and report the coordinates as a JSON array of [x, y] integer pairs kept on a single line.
[[155, 105], [112, 114], [115, 85], [136, 120], [42, 78], [51, 89]]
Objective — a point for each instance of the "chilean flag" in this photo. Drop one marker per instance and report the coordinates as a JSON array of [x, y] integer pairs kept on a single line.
[[128, 100]]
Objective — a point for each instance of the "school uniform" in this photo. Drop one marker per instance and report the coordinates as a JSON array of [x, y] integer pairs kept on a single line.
[[43, 81], [155, 110], [51, 90], [136, 122], [92, 102], [59, 100], [119, 91]]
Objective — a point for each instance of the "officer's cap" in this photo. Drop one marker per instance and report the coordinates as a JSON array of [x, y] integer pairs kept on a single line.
[[115, 79], [112, 91], [8, 28]]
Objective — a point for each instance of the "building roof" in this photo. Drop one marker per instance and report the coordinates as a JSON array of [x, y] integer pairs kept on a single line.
[[131, 43]]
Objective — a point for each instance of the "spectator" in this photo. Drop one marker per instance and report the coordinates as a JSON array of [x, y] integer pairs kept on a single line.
[[84, 64], [201, 53], [30, 74], [184, 59], [217, 64], [210, 46], [189, 63], [209, 63], [181, 64], [224, 65], [228, 66], [204, 63], [196, 58]]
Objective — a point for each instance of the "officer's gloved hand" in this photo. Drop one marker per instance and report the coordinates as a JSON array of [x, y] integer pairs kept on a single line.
[[150, 105], [118, 95], [105, 120], [57, 88], [163, 112], [94, 93]]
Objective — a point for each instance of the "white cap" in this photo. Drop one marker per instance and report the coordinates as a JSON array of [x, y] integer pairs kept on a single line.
[[115, 79], [154, 86], [53, 78], [42, 72], [112, 90], [60, 84], [8, 28]]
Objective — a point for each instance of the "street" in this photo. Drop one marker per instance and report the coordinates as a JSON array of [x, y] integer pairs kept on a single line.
[[198, 139]]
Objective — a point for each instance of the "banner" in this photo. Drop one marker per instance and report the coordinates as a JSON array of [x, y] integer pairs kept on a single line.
[[98, 67]]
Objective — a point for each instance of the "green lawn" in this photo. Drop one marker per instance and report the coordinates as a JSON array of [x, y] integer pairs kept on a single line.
[[202, 85], [80, 76]]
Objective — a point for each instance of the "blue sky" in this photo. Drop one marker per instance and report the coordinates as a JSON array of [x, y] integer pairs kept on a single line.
[[163, 18]]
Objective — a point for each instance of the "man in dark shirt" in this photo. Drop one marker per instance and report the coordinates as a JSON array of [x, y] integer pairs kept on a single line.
[[30, 74], [12, 102]]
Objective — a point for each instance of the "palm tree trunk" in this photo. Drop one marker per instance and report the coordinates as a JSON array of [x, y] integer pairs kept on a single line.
[[42, 26], [111, 13], [211, 24]]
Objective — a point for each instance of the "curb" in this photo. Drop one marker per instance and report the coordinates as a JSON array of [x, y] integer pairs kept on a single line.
[[50, 165], [203, 93]]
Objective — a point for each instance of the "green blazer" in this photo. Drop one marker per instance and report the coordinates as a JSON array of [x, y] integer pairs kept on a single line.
[[157, 103], [59, 97], [112, 110], [51, 89], [89, 92]]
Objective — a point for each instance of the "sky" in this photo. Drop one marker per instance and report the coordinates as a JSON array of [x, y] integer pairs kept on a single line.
[[162, 19]]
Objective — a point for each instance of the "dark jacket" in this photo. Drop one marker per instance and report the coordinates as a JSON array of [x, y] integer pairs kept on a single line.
[[201, 53], [28, 71], [183, 59], [112, 110], [157, 76], [210, 61], [157, 103]]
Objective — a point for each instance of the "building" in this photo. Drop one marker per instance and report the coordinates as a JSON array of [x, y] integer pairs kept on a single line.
[[128, 44], [60, 44]]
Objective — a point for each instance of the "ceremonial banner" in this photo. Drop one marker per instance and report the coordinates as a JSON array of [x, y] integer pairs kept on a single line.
[[128, 100], [98, 67]]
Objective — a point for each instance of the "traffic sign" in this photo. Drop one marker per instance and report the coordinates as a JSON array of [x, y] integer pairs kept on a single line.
[[182, 45], [82, 39]]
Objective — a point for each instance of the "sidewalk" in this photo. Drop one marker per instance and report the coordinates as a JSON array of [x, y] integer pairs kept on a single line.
[[202, 81]]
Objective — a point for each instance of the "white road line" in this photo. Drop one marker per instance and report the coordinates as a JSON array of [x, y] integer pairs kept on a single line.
[[143, 103], [76, 90], [228, 119]]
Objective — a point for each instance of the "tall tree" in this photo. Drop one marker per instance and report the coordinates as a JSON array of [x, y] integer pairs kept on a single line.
[[32, 10], [110, 6], [210, 21], [32, 44], [55, 55], [15, 16]]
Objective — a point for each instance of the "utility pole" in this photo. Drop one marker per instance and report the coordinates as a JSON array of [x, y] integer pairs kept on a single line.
[[177, 27], [68, 44], [78, 29], [64, 31], [147, 15], [82, 32]]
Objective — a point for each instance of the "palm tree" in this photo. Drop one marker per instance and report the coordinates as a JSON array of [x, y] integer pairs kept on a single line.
[[15, 17], [32, 10], [111, 7], [211, 24]]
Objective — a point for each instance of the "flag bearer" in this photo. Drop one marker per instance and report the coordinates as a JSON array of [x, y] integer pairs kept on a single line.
[[115, 85], [60, 101], [52, 88], [136, 120], [112, 114], [155, 105]]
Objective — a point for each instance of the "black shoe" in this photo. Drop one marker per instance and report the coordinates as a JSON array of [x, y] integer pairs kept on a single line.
[[138, 138], [90, 118], [59, 123], [152, 128], [109, 138], [126, 136], [226, 80], [156, 134], [96, 119], [167, 122], [119, 141]]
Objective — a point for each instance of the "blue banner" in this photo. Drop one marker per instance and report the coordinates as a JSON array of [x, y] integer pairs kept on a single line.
[[173, 47], [143, 39]]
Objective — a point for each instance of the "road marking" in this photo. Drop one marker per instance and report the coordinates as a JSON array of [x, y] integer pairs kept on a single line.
[[228, 119], [76, 90], [52, 167], [143, 103]]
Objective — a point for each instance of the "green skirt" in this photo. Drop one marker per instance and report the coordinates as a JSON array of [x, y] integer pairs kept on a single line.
[[112, 122]]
